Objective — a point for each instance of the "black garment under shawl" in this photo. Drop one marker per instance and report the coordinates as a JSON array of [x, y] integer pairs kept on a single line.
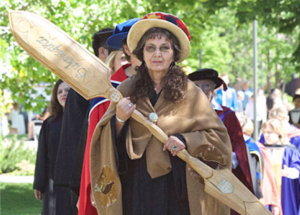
[[142, 195]]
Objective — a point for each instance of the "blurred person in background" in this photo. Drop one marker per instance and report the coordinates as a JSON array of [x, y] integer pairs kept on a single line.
[[261, 167], [295, 113], [247, 93], [115, 60], [241, 97], [38, 119], [261, 108], [16, 120], [227, 97], [274, 99], [43, 184], [285, 159], [292, 132]]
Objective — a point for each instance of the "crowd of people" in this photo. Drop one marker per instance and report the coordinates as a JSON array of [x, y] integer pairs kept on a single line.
[[274, 159], [94, 158]]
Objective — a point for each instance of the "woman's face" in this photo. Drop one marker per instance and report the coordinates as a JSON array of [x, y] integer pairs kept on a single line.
[[119, 61], [158, 54], [62, 92], [270, 135]]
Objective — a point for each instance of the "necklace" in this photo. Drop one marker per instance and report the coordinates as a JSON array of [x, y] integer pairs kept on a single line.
[[157, 90]]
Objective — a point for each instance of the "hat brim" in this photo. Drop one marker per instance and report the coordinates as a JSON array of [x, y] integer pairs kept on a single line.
[[197, 76], [115, 41], [139, 29]]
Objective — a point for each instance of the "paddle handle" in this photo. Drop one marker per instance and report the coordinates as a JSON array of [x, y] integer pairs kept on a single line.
[[216, 182], [200, 167]]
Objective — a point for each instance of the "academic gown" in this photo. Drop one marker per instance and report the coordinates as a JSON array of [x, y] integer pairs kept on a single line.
[[98, 108], [269, 187], [242, 171], [290, 188], [45, 161], [256, 166], [72, 134]]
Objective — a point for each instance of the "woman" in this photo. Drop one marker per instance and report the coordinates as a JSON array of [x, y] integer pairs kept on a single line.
[[285, 159], [16, 120], [131, 173], [47, 149], [115, 60], [281, 114]]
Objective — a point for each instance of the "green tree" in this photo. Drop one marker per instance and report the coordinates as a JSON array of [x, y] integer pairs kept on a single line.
[[279, 15], [222, 30]]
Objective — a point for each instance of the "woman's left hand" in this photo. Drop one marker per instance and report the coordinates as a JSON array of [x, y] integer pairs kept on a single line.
[[174, 145], [38, 194]]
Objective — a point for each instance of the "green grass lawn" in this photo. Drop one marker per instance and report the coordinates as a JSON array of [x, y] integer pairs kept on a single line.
[[18, 199]]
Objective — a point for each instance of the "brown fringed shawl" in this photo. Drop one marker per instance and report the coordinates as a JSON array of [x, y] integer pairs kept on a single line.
[[193, 118]]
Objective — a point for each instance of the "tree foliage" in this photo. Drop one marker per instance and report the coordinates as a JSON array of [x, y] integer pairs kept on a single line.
[[279, 15], [222, 30]]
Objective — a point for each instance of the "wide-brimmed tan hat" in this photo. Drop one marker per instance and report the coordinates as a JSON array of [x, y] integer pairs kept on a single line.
[[161, 20]]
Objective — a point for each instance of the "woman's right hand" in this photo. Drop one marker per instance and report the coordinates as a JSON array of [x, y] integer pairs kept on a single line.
[[38, 194], [125, 108]]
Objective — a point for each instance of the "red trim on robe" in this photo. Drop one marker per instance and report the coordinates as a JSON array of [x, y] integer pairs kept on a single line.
[[97, 111]]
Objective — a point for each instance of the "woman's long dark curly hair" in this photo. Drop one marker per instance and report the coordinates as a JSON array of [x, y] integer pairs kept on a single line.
[[55, 108], [174, 82]]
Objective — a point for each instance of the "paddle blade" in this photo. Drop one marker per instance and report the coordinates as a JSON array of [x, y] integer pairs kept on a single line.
[[61, 54], [225, 187]]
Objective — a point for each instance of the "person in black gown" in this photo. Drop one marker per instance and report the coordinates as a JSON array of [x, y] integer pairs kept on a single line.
[[73, 138], [47, 149]]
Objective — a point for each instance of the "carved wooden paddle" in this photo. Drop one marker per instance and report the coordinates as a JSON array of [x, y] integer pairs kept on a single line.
[[90, 77]]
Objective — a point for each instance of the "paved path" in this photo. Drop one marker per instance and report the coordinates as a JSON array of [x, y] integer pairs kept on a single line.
[[15, 179]]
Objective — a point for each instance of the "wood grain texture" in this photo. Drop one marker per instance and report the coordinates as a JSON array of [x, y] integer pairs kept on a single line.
[[61, 54]]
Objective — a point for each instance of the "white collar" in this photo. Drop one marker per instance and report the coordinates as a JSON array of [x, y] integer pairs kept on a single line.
[[215, 105]]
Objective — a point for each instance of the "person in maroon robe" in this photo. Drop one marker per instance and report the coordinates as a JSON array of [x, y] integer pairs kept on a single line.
[[208, 81]]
